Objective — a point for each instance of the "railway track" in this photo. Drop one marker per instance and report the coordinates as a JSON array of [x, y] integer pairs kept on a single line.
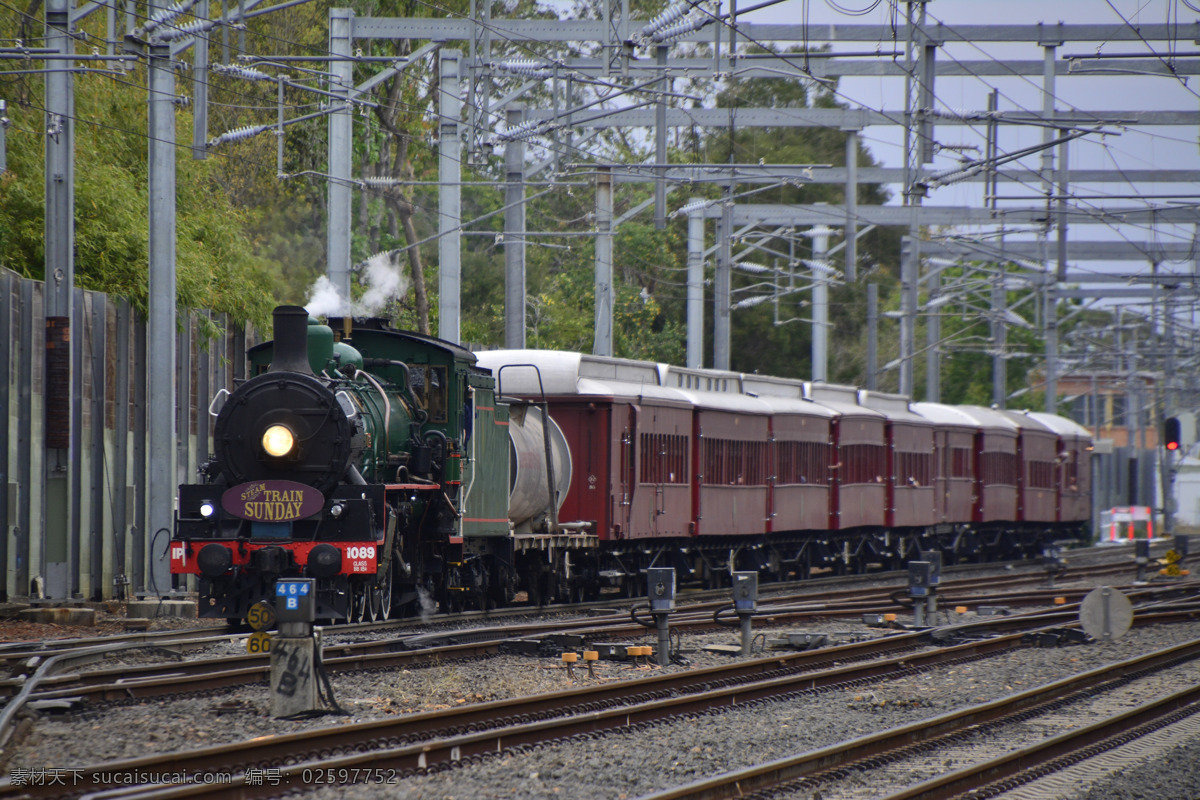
[[400, 746], [1048, 715], [181, 677], [15, 653]]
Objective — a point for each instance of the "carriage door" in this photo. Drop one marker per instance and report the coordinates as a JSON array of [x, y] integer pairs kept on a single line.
[[657, 460], [625, 468]]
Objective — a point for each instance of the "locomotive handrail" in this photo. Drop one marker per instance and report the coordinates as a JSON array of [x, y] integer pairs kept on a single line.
[[550, 492]]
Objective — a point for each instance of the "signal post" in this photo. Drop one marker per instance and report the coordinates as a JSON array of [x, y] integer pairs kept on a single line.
[[294, 650]]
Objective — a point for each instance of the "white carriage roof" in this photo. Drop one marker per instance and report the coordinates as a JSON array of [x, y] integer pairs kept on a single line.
[[703, 380], [842, 399], [990, 418], [1027, 422], [1061, 425], [784, 396], [570, 374], [893, 406], [942, 414], [726, 401], [577, 374]]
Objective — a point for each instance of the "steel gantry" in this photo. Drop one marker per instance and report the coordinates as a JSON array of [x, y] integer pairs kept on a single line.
[[636, 64]]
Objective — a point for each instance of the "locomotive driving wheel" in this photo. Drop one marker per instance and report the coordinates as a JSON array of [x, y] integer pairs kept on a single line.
[[358, 601], [381, 596]]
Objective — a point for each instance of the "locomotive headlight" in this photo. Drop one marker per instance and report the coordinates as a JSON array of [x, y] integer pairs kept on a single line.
[[207, 508], [278, 441]]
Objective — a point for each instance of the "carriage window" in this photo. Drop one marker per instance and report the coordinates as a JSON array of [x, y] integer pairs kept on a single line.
[[802, 463], [428, 385], [730, 462], [664, 458]]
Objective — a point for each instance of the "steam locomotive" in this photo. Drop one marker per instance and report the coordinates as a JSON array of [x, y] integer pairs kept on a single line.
[[405, 472]]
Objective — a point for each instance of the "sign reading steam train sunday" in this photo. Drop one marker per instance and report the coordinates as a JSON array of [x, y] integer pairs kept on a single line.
[[272, 501]]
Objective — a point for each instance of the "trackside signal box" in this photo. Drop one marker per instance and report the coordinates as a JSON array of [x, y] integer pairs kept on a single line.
[[660, 589], [745, 592], [920, 578], [934, 557]]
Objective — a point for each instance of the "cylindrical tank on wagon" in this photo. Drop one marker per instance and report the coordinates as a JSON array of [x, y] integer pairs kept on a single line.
[[529, 496]]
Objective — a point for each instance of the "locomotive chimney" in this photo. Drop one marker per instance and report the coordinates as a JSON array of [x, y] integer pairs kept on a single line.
[[291, 340]]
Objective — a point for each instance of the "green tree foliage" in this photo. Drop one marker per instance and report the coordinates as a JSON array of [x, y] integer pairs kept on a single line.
[[217, 268], [252, 231]]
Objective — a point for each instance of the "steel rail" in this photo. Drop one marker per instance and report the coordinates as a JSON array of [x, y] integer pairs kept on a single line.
[[13, 653], [157, 680], [423, 740], [493, 727], [1067, 747], [783, 771]]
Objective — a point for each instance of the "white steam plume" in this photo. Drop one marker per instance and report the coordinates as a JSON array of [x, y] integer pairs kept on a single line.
[[385, 280], [324, 300]]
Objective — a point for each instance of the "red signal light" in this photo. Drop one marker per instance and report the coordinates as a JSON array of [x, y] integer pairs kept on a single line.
[[1172, 433]]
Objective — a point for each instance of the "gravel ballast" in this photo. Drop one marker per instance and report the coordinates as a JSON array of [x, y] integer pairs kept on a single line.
[[622, 765], [626, 764]]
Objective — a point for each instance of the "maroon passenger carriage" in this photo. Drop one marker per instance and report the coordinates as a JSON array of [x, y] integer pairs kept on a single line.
[[801, 482], [1073, 474], [1037, 454], [708, 471], [911, 507], [859, 498], [954, 442]]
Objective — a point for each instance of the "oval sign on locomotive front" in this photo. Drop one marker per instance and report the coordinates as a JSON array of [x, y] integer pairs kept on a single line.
[[272, 501]]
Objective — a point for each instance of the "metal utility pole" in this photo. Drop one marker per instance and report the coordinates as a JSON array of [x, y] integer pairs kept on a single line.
[[449, 197], [200, 78], [695, 289], [722, 286], [660, 144], [162, 333], [908, 312], [999, 339], [341, 132], [872, 336], [820, 327], [514, 235], [61, 379], [851, 192], [1164, 399], [479, 80], [917, 150], [1050, 320], [933, 336], [3, 129], [603, 345]]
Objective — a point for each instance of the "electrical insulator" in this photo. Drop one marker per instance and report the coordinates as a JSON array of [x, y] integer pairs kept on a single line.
[[526, 66], [166, 15], [187, 29], [669, 15], [678, 29], [237, 134], [237, 71]]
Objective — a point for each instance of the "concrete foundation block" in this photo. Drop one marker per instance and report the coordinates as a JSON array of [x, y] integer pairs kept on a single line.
[[60, 616], [184, 609]]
